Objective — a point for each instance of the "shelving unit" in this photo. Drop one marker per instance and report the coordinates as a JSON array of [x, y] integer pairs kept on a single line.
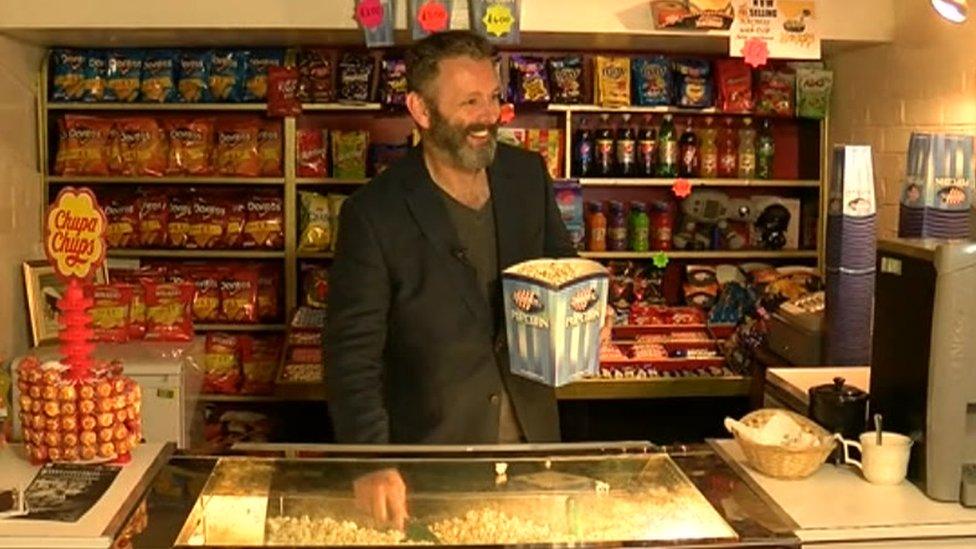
[[120, 180], [198, 254], [341, 107], [157, 106], [329, 181], [239, 327], [663, 387], [697, 182], [708, 254]]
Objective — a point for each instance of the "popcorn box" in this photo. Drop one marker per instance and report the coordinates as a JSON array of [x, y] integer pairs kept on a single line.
[[554, 309]]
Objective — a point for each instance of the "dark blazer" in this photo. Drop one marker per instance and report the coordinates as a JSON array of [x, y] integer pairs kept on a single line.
[[412, 354]]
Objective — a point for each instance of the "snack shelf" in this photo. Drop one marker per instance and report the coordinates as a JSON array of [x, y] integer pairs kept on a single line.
[[120, 180], [203, 397], [341, 107], [79, 106], [728, 385], [239, 327], [192, 254], [663, 109], [708, 254], [315, 255], [668, 182], [329, 181]]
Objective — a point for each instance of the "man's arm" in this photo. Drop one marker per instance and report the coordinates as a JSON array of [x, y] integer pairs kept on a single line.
[[557, 240], [355, 333]]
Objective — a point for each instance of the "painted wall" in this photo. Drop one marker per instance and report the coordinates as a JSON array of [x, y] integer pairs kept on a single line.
[[924, 80], [20, 187]]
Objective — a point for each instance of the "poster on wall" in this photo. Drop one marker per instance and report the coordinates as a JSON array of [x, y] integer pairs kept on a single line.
[[787, 29]]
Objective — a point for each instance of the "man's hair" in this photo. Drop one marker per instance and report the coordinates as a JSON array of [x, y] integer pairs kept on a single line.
[[423, 57]]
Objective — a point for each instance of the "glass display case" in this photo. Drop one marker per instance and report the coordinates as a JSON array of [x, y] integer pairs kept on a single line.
[[637, 498]]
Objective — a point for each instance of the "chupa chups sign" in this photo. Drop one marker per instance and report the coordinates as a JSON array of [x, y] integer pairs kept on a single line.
[[74, 241]]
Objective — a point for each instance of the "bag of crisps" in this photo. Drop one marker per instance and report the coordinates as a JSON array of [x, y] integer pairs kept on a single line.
[[259, 361], [227, 69], [180, 213], [265, 221], [349, 150], [84, 146], [612, 75], [194, 76], [239, 294], [221, 364], [236, 151], [139, 147], [68, 70], [169, 315], [110, 312], [315, 223], [159, 76], [283, 97], [236, 220], [315, 284], [269, 148], [269, 281], [208, 223], [153, 220], [123, 72], [256, 75], [121, 220], [190, 146], [206, 298], [94, 77], [316, 68], [312, 157]]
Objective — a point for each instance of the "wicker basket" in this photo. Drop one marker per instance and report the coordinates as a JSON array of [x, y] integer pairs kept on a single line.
[[780, 462]]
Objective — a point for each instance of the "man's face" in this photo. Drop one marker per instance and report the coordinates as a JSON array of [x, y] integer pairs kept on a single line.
[[463, 105]]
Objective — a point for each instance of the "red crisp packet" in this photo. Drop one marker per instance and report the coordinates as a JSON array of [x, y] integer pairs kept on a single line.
[[110, 312], [265, 222], [221, 364], [239, 295], [169, 311], [734, 85], [312, 160], [153, 220], [283, 97]]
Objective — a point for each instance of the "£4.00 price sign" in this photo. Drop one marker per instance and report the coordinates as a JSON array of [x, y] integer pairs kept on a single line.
[[74, 234]]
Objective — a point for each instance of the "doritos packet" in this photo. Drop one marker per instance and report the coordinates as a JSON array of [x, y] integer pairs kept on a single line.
[[190, 146], [256, 75], [194, 77], [265, 222], [259, 361], [123, 71], [206, 298], [270, 148], [207, 224], [239, 295], [139, 147], [227, 70], [159, 76], [236, 151], [68, 74], [180, 212], [153, 220], [122, 220], [84, 147], [110, 312], [95, 66], [236, 220], [221, 363], [269, 280], [168, 311]]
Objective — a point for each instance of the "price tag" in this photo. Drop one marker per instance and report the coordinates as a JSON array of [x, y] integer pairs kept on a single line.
[[498, 20], [681, 188], [370, 13], [755, 52], [661, 260], [432, 17]]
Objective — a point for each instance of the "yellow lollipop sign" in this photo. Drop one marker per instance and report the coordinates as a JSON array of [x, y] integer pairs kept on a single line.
[[74, 234]]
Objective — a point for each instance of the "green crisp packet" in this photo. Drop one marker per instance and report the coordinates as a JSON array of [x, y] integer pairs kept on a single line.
[[813, 92]]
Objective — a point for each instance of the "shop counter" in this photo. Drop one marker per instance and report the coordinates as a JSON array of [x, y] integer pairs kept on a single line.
[[788, 387], [836, 507]]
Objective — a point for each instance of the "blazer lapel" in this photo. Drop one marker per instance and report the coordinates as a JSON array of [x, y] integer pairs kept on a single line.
[[430, 214], [508, 214]]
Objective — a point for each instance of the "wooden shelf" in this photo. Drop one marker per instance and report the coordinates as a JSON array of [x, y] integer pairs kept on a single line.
[[120, 180], [710, 254], [239, 327], [341, 106], [315, 255], [329, 181], [664, 109], [668, 182], [202, 397], [157, 106], [662, 387], [193, 254]]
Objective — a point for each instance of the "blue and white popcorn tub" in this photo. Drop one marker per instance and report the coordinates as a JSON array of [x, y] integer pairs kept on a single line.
[[554, 309]]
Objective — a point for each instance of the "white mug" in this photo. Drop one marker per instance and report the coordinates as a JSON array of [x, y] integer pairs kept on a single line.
[[884, 464]]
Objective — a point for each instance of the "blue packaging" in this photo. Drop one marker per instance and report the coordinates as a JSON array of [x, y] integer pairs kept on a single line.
[[159, 76], [256, 76], [227, 71], [652, 80], [693, 86], [68, 74], [123, 74], [194, 76]]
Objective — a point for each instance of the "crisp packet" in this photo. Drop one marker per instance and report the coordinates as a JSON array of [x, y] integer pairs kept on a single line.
[[159, 76], [349, 150], [315, 222], [316, 75], [194, 76], [256, 74], [123, 72], [612, 75], [528, 76], [693, 83], [566, 79], [734, 85], [813, 92], [652, 80], [394, 90], [68, 70], [227, 70], [355, 77], [94, 84], [775, 91]]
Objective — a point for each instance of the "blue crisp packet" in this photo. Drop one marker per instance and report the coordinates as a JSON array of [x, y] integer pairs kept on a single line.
[[194, 77], [68, 71], [95, 67], [227, 71], [693, 86], [123, 74], [652, 80], [256, 77], [159, 76]]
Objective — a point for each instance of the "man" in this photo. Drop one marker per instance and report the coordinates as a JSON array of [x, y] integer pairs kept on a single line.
[[415, 334]]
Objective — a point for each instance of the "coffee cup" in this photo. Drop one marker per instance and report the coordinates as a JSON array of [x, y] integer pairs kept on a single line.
[[886, 463]]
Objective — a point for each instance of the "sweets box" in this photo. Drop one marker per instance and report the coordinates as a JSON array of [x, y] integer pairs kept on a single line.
[[554, 309]]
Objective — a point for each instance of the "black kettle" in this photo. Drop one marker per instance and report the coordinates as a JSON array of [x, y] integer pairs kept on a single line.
[[839, 408]]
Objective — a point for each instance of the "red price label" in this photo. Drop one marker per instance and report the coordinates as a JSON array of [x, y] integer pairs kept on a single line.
[[370, 13], [681, 188], [432, 17]]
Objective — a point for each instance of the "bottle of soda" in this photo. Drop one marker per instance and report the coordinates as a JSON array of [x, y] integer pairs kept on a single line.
[[690, 163], [667, 147], [728, 151], [626, 149], [596, 229], [646, 149], [640, 226], [765, 150], [583, 152], [604, 148], [617, 228], [747, 150], [662, 222], [709, 149]]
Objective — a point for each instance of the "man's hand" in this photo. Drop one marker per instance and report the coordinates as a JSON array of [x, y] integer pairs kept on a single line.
[[383, 495]]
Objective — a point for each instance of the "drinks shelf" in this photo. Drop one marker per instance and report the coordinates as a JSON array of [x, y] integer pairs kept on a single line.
[[695, 182], [707, 254]]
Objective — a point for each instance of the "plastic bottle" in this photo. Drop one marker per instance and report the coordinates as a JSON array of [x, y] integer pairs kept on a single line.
[[647, 149], [584, 151], [626, 149], [690, 155], [639, 227], [667, 147], [617, 228], [709, 149], [728, 150], [662, 224], [596, 228], [603, 166], [765, 151], [747, 150]]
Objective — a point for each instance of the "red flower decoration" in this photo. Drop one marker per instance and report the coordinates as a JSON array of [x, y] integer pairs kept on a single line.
[[370, 13], [507, 114], [681, 188], [756, 52]]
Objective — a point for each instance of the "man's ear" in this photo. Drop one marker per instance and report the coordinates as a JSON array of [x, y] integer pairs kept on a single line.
[[419, 110]]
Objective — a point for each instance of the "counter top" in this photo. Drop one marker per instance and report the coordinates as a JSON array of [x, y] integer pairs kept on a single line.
[[836, 505], [100, 525], [791, 385]]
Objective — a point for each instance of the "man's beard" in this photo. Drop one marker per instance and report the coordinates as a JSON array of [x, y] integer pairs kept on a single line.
[[452, 140]]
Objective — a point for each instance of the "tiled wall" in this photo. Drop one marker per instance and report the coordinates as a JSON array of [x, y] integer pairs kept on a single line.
[[925, 80], [20, 188]]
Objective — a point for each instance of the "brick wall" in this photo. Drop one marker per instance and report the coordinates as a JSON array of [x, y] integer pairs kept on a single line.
[[924, 80]]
